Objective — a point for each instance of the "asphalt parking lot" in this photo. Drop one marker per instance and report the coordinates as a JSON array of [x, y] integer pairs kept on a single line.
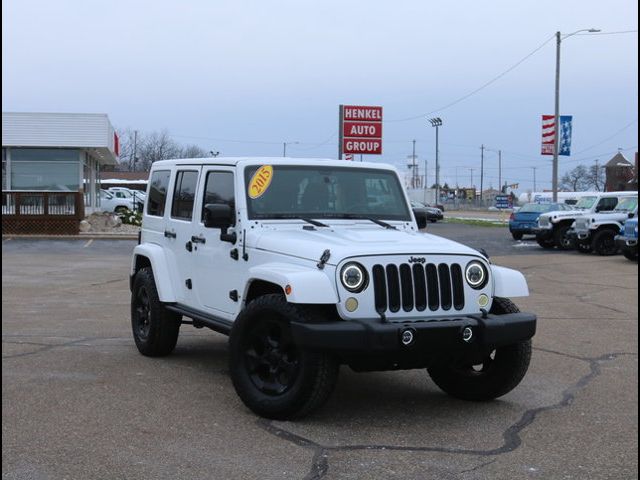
[[78, 401]]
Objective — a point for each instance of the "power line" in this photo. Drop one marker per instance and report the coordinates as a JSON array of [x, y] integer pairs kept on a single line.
[[482, 87], [608, 138], [608, 33]]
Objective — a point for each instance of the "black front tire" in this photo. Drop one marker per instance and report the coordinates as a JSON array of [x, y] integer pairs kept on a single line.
[[517, 235], [272, 376], [630, 254], [155, 329], [561, 239], [545, 242], [604, 242], [500, 372]]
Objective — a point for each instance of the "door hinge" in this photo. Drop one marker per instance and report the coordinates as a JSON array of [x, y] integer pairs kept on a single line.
[[233, 295], [234, 253], [188, 283]]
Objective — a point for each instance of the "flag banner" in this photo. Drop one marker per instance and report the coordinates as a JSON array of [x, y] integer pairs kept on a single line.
[[549, 134]]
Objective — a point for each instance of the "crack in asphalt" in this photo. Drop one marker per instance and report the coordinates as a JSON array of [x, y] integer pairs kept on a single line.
[[511, 436]]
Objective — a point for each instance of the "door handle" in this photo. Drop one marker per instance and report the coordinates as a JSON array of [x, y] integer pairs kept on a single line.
[[189, 246], [169, 234], [195, 239]]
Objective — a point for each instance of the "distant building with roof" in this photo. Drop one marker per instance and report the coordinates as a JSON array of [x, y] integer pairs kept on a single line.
[[620, 173]]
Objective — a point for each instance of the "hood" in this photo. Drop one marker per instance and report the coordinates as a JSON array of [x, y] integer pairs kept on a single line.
[[564, 213], [351, 240]]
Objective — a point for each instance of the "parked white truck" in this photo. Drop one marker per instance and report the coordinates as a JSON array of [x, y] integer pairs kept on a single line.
[[310, 264], [596, 232], [554, 227]]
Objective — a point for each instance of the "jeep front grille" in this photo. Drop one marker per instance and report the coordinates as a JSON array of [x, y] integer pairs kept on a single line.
[[582, 224], [630, 230], [416, 287]]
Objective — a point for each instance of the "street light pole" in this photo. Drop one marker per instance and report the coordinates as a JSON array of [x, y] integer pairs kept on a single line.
[[556, 142], [437, 122]]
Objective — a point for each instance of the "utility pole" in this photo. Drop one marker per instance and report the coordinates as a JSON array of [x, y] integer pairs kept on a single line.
[[534, 179], [554, 175], [471, 169], [597, 172], [132, 162], [437, 122], [481, 170], [413, 159], [500, 170]]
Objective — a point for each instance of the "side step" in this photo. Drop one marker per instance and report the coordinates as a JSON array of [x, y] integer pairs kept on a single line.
[[217, 324]]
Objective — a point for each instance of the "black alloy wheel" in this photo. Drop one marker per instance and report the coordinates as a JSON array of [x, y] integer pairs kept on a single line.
[[604, 242], [142, 313], [271, 357]]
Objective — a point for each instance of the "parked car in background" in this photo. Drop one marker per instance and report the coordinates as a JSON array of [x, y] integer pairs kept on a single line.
[[596, 232], [553, 227], [627, 241], [432, 214], [524, 221], [122, 192], [113, 203]]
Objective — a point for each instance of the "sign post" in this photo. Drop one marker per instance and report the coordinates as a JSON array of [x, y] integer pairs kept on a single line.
[[360, 130]]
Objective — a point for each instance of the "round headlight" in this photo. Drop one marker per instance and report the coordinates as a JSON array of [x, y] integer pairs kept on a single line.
[[476, 274], [353, 277]]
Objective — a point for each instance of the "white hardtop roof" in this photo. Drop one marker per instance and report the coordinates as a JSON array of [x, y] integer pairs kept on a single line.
[[242, 161]]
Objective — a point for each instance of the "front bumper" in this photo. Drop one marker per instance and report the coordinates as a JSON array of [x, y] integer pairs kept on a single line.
[[430, 335], [626, 242]]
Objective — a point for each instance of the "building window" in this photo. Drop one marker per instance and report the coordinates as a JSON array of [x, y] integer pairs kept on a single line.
[[45, 169], [5, 185]]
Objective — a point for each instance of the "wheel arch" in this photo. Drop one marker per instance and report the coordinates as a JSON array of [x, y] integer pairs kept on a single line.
[[307, 285], [508, 283], [149, 255]]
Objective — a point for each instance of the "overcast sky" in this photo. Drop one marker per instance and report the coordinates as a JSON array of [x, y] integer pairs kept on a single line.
[[241, 77]]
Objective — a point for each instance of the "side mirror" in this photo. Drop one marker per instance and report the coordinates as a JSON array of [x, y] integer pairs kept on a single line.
[[220, 215], [421, 219], [631, 215], [598, 209]]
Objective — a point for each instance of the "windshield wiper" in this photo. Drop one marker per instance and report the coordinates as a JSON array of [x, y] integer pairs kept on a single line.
[[315, 223], [386, 225]]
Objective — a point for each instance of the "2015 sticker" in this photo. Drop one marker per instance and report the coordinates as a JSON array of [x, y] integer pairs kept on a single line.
[[260, 181]]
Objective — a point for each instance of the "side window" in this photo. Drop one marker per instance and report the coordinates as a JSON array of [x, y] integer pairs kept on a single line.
[[607, 204], [184, 194], [158, 192], [218, 189]]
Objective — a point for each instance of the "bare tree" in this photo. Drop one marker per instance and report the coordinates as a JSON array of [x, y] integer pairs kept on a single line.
[[193, 151], [576, 180], [596, 177]]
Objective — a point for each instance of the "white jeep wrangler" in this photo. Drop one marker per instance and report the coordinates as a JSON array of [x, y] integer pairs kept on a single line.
[[597, 232], [310, 264], [554, 227]]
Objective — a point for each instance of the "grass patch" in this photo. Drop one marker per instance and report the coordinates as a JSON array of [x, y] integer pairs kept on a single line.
[[476, 222]]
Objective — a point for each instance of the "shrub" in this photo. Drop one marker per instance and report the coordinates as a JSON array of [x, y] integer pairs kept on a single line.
[[130, 218]]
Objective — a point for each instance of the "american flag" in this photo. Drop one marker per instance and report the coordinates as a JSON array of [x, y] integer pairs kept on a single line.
[[549, 134]]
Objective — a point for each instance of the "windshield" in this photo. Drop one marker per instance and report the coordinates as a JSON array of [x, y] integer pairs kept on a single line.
[[291, 191], [627, 204], [538, 208], [586, 203]]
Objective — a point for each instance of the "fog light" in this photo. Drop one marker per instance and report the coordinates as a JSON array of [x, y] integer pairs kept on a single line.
[[467, 334], [351, 304], [483, 300], [407, 336]]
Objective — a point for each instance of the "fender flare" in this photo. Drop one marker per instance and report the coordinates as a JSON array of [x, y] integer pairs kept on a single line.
[[308, 285], [508, 283], [156, 256]]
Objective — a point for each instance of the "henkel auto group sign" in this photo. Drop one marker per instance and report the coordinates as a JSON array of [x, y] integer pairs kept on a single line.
[[360, 130]]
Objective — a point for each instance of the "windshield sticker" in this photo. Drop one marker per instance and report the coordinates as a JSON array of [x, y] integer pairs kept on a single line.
[[260, 181]]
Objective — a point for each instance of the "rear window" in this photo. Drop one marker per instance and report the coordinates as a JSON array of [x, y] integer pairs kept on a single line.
[[184, 194], [158, 192], [537, 208]]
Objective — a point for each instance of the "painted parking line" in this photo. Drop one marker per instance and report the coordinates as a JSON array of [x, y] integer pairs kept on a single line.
[[88, 243]]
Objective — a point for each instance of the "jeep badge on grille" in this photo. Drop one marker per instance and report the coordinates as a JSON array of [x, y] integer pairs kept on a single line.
[[417, 260]]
